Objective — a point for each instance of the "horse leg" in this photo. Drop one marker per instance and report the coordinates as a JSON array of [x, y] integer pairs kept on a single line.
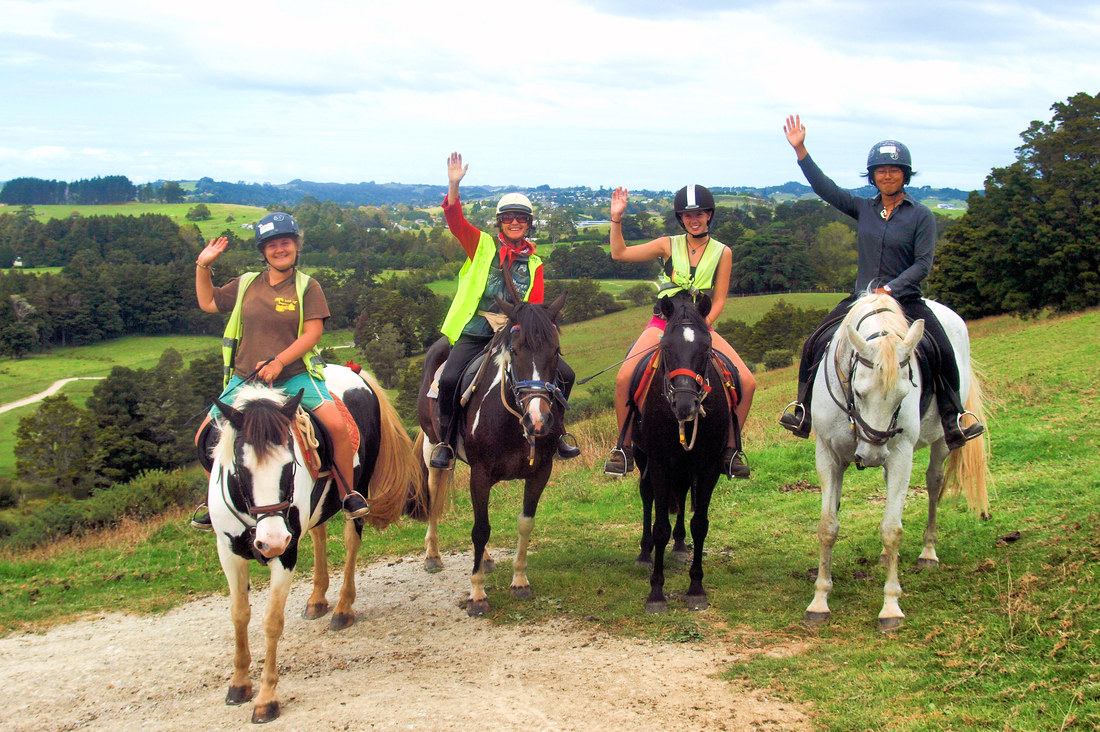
[[645, 554], [317, 605], [437, 489], [236, 572], [933, 478], [662, 530], [343, 615], [830, 472], [479, 535], [700, 525], [680, 550], [899, 466], [266, 707], [532, 492]]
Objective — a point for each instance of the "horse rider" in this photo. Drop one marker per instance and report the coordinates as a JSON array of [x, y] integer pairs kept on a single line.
[[692, 262], [896, 238], [481, 281], [276, 319]]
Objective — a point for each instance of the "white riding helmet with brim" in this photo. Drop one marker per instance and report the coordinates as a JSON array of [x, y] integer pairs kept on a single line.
[[515, 202]]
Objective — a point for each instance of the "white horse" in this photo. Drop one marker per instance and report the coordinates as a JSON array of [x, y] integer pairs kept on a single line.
[[263, 496], [866, 406]]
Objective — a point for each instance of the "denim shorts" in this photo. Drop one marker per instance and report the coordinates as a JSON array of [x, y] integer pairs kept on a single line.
[[314, 391]]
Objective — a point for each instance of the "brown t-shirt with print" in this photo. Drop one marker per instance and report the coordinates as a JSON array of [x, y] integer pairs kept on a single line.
[[269, 319]]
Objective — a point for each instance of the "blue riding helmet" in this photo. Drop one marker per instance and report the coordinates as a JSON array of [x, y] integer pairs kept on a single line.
[[273, 226]]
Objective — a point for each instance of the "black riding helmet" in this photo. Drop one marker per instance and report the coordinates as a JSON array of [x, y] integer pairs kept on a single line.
[[273, 226], [889, 152], [692, 198]]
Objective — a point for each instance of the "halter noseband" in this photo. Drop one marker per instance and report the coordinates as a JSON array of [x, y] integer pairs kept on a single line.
[[524, 391]]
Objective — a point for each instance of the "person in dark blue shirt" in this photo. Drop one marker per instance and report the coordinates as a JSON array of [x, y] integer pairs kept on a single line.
[[895, 240]]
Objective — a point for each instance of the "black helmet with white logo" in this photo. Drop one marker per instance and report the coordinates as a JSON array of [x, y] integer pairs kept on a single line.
[[890, 152], [273, 226]]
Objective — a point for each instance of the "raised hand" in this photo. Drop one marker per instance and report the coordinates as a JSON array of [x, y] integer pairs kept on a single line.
[[795, 132], [455, 170], [212, 251], [618, 203]]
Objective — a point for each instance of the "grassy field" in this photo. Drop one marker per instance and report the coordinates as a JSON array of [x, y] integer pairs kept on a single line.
[[1004, 635], [210, 228]]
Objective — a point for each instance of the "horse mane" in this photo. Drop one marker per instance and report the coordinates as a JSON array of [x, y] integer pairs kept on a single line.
[[893, 322], [535, 325], [264, 424], [685, 310]]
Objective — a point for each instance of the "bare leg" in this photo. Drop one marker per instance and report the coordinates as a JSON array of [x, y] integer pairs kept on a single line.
[[341, 445]]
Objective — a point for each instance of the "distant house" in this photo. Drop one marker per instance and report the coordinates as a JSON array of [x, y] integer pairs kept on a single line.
[[945, 205], [18, 262]]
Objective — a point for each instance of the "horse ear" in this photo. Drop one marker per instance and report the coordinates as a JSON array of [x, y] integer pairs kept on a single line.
[[860, 343], [291, 407], [667, 306], [236, 419], [702, 304], [555, 307], [912, 338], [505, 307]]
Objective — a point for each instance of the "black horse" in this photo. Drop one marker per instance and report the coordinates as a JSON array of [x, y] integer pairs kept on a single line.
[[509, 429], [679, 436]]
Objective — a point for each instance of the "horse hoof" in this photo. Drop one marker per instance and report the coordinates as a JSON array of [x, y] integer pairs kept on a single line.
[[889, 625], [644, 563], [656, 606], [488, 564], [314, 611], [522, 592], [697, 603], [433, 565], [238, 695], [477, 608], [266, 713], [815, 620], [341, 620], [928, 563]]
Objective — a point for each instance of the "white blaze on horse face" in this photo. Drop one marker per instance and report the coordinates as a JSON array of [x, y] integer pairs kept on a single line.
[[538, 410], [272, 536], [689, 335]]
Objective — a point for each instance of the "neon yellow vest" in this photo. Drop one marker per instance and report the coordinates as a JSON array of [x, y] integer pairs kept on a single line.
[[234, 328], [471, 285], [682, 280]]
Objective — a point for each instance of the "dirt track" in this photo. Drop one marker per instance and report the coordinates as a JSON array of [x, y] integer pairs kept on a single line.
[[413, 660]]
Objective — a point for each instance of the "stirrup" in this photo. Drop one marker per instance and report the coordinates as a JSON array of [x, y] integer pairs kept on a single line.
[[735, 463], [791, 421], [567, 446], [203, 522], [616, 466], [443, 456], [974, 430]]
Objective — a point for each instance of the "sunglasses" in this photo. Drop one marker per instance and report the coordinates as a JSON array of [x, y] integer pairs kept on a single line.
[[507, 218]]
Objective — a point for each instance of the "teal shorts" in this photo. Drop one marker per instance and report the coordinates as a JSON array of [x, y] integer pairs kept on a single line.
[[314, 391]]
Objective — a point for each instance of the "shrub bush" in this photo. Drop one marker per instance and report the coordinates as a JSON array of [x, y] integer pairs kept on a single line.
[[778, 358], [150, 494]]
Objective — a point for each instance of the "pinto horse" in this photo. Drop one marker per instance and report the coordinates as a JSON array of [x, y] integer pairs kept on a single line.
[[866, 410], [678, 440], [262, 497], [509, 430]]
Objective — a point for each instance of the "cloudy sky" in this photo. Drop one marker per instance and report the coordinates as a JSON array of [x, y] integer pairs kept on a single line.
[[640, 93]]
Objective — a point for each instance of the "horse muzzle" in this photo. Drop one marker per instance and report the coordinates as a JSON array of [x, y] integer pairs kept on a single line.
[[272, 537]]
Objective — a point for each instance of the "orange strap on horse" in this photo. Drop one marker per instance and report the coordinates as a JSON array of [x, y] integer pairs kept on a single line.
[[727, 380], [647, 378]]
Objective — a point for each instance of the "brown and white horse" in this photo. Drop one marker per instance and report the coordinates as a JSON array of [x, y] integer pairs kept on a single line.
[[262, 497], [511, 427]]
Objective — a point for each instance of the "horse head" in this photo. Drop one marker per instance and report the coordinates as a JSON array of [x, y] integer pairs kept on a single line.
[[256, 452], [685, 353], [880, 373], [530, 359]]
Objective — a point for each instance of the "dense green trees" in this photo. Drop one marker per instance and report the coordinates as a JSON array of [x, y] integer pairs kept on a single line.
[[35, 191], [1032, 241]]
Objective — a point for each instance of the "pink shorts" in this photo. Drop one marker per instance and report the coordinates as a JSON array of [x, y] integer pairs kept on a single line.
[[659, 323]]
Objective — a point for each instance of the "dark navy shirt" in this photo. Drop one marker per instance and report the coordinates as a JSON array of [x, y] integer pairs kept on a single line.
[[897, 252]]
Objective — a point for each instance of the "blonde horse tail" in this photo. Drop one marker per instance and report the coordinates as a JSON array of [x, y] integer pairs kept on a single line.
[[395, 471], [968, 466], [419, 501]]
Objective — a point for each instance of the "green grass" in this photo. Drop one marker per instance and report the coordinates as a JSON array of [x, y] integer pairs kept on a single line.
[[1004, 635], [210, 228]]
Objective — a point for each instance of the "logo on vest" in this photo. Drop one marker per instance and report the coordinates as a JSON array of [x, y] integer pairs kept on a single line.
[[285, 305]]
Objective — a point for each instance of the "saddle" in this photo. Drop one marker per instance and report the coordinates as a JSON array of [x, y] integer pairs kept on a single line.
[[642, 379], [464, 391]]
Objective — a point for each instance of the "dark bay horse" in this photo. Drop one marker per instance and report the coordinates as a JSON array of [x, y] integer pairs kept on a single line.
[[509, 430], [262, 497], [679, 436]]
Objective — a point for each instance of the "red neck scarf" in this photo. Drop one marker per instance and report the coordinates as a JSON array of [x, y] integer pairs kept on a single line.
[[510, 250]]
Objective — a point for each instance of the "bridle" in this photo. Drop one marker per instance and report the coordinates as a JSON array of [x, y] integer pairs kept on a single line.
[[698, 394], [525, 391], [863, 430]]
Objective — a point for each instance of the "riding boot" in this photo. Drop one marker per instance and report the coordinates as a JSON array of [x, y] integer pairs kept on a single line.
[[733, 463], [951, 414], [200, 519], [620, 461], [567, 447], [443, 454], [798, 419]]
